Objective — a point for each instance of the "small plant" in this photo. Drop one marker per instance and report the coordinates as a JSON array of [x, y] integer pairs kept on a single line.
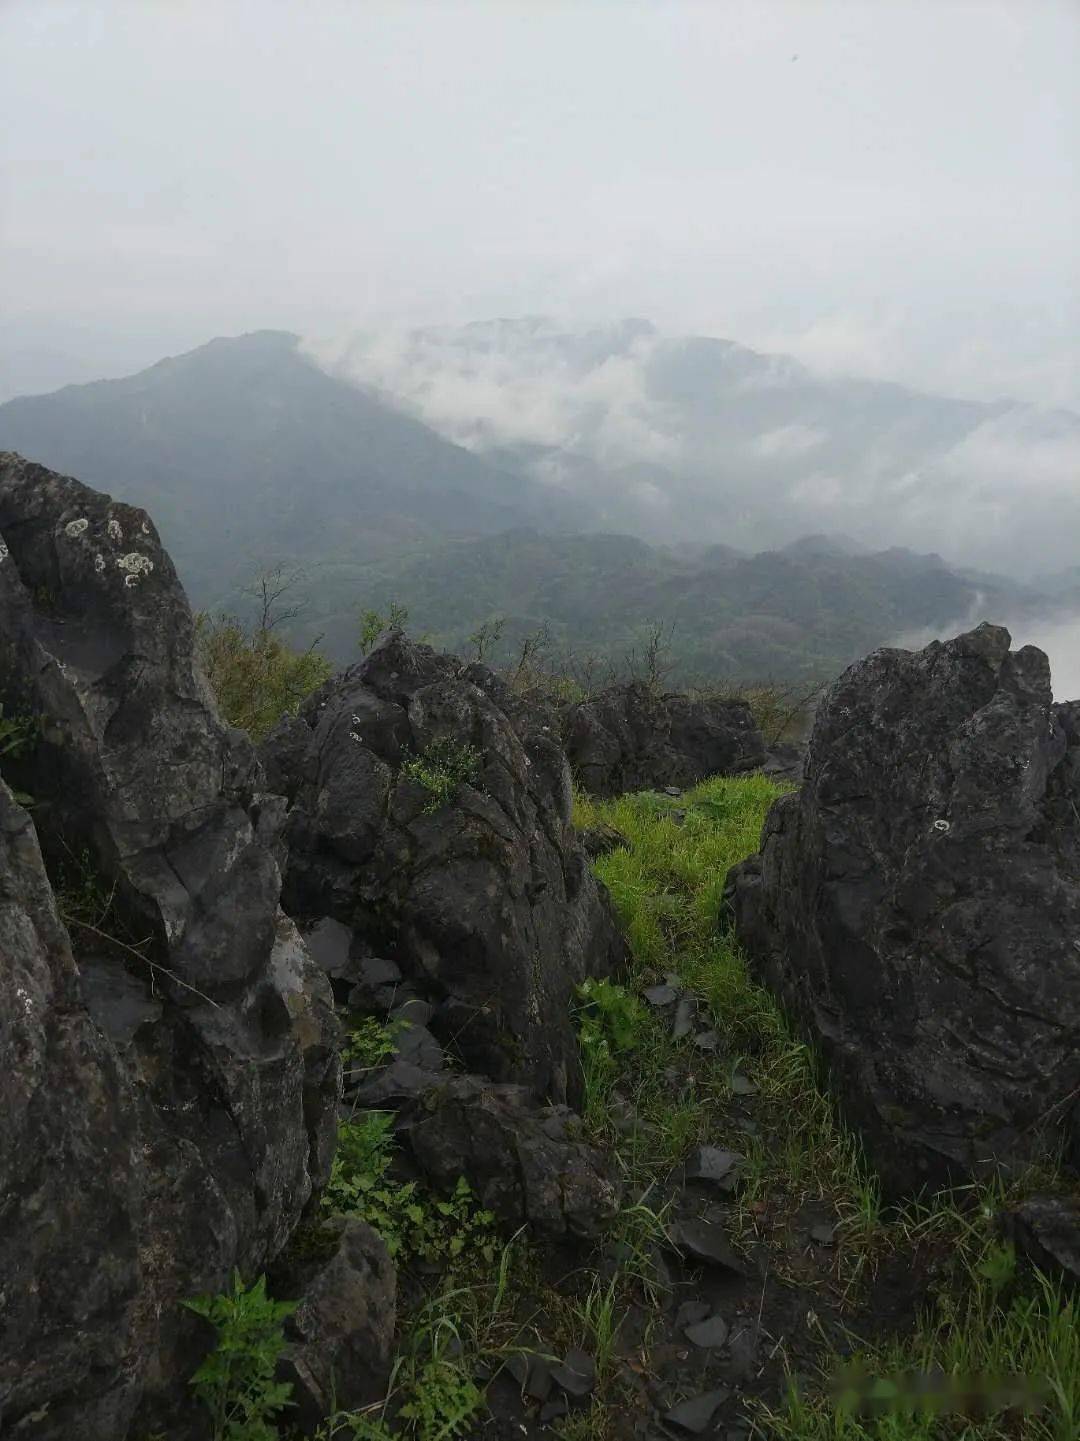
[[354, 1426], [487, 635], [371, 1042], [411, 1222], [17, 736], [442, 768], [443, 1397], [609, 1016], [236, 1381]]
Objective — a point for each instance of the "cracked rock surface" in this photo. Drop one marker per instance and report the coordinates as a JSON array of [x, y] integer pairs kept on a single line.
[[917, 906], [168, 1098], [483, 897]]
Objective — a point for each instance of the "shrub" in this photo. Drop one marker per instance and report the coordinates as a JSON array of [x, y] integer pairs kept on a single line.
[[442, 768], [256, 677], [236, 1381], [411, 1221]]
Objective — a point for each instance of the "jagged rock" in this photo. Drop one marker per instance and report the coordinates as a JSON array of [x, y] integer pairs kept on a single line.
[[1047, 1230], [576, 1375], [602, 839], [169, 1105], [712, 1332], [525, 1162], [785, 762], [631, 739], [916, 905], [696, 1412], [713, 1166], [341, 1335], [484, 898], [707, 1241]]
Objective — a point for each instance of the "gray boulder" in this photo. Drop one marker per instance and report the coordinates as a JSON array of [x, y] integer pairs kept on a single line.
[[341, 1335], [916, 905], [526, 1163], [480, 894], [631, 739], [171, 1072]]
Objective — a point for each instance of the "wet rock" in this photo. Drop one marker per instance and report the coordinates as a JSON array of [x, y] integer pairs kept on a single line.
[[823, 1235], [418, 1047], [712, 1332], [707, 1241], [395, 1085], [532, 1372], [525, 1161], [379, 985], [685, 1015], [742, 1085], [480, 892], [341, 1335], [1047, 1230], [713, 1166], [553, 1409], [695, 1414], [631, 739], [662, 995], [916, 903], [328, 943], [602, 839], [577, 1374], [172, 1114], [785, 762], [690, 1313]]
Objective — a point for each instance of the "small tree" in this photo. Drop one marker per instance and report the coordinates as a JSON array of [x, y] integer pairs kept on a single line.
[[374, 622], [486, 635], [256, 676]]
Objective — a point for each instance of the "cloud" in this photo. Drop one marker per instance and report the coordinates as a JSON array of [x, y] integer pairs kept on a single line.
[[788, 440], [626, 415], [508, 385]]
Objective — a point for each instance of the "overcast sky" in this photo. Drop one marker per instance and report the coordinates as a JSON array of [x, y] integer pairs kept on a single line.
[[880, 188]]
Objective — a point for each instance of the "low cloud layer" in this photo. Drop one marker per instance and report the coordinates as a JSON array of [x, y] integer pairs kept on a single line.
[[725, 443]]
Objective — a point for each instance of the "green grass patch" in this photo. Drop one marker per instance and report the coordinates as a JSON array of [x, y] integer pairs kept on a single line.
[[995, 1353]]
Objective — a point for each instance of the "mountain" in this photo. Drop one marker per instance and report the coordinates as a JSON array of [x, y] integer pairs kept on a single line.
[[799, 614], [690, 437], [246, 453]]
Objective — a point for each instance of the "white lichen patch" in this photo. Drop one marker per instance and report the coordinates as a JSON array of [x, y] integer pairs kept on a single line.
[[134, 566], [3, 552], [76, 527], [99, 563], [145, 528], [115, 533]]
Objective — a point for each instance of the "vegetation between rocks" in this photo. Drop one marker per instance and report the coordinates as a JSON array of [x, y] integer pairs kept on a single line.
[[983, 1348]]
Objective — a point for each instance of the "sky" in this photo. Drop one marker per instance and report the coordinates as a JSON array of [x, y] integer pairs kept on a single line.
[[880, 189]]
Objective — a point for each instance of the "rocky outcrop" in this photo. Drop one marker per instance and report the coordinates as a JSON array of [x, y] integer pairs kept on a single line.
[[341, 1335], [170, 1077], [917, 906], [527, 1164], [629, 739], [438, 831]]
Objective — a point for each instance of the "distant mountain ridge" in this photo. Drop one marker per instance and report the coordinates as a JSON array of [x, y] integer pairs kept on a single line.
[[246, 453], [676, 437]]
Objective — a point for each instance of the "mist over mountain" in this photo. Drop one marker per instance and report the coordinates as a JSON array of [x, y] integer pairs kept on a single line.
[[253, 455], [247, 454], [677, 437]]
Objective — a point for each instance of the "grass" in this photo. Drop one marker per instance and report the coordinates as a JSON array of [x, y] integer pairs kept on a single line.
[[984, 1320]]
